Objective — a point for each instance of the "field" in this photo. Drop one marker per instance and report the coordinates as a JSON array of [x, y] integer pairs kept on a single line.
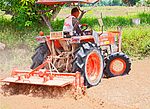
[[112, 17], [124, 92], [107, 11]]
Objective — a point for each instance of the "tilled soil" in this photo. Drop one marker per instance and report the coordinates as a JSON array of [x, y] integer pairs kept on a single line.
[[124, 92]]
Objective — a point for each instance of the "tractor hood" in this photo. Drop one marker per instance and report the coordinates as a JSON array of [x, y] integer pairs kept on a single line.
[[53, 2]]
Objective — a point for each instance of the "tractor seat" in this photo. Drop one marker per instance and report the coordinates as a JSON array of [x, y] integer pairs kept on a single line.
[[66, 34]]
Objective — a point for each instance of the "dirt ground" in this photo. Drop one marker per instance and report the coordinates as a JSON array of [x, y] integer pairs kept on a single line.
[[126, 92]]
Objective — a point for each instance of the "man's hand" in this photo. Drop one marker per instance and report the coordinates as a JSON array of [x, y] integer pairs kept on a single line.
[[84, 25]]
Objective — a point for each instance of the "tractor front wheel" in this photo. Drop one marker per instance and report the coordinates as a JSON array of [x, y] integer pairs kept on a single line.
[[117, 64]]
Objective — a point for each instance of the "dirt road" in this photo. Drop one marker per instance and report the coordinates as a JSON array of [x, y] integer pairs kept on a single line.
[[127, 92]]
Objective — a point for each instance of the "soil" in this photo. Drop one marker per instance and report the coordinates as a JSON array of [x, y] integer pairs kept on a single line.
[[123, 92]]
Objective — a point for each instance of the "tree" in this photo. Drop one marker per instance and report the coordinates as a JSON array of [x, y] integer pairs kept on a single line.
[[26, 12], [147, 2], [110, 2], [103, 3], [130, 2], [116, 2]]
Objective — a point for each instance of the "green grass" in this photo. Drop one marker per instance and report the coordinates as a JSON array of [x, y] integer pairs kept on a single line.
[[19, 58], [109, 21], [136, 39], [13, 38], [107, 11]]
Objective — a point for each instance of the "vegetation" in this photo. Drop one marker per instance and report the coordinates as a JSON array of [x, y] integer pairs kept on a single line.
[[147, 2], [136, 39], [26, 13], [130, 2]]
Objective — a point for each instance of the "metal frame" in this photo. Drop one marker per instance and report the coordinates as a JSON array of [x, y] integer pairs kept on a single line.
[[48, 77]]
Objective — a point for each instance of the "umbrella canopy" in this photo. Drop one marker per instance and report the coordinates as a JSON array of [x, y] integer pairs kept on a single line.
[[53, 2]]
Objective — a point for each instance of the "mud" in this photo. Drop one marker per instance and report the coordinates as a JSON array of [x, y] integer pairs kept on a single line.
[[35, 90], [123, 92]]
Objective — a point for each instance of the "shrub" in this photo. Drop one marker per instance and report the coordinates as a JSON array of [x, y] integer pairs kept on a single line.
[[144, 17], [136, 40]]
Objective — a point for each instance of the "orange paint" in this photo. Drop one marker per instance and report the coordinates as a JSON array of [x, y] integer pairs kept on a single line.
[[93, 66], [117, 66]]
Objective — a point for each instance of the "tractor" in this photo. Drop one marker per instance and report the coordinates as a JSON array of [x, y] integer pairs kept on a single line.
[[62, 59]]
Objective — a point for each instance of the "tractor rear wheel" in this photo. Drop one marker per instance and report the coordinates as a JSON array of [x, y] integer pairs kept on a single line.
[[89, 61], [117, 64], [41, 52]]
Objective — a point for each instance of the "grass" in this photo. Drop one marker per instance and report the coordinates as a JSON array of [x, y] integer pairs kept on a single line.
[[13, 38], [107, 11], [136, 39], [19, 58]]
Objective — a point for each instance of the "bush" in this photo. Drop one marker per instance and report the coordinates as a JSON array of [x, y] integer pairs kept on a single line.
[[117, 21], [144, 17], [136, 40], [58, 24], [25, 13], [13, 37]]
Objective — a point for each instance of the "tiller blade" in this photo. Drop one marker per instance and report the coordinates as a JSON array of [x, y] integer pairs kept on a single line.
[[44, 77]]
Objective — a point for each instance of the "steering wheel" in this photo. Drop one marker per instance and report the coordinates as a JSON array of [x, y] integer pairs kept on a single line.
[[84, 27]]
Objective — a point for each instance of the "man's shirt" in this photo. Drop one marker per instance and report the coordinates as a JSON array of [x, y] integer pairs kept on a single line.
[[72, 25]]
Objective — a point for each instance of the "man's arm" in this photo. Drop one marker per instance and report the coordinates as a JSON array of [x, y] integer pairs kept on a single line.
[[76, 25]]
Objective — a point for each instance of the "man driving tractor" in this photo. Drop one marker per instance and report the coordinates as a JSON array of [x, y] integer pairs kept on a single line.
[[72, 24], [72, 27]]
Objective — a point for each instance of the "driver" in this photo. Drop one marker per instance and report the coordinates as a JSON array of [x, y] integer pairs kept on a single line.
[[72, 27], [72, 24]]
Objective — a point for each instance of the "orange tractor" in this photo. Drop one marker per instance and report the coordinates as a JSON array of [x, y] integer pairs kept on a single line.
[[83, 60]]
